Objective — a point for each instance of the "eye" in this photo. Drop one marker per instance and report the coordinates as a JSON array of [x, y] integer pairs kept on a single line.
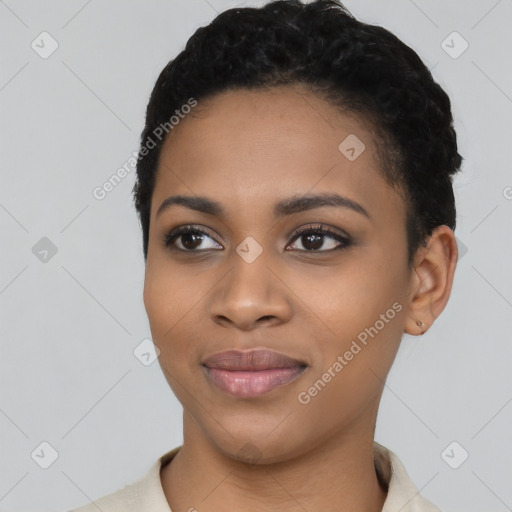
[[189, 238], [311, 238]]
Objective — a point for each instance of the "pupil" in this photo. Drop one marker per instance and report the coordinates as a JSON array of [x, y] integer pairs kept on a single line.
[[194, 238], [314, 244]]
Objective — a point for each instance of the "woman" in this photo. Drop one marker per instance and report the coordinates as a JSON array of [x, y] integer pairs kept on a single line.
[[294, 185]]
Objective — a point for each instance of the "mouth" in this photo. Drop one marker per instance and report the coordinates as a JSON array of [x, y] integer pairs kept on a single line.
[[251, 384], [250, 374]]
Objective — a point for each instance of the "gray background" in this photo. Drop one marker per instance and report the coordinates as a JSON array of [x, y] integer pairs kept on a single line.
[[70, 323]]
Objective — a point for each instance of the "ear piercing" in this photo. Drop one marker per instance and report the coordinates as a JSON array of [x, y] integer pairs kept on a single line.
[[420, 324]]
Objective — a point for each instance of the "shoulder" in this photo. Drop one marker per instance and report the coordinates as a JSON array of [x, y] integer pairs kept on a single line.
[[144, 494]]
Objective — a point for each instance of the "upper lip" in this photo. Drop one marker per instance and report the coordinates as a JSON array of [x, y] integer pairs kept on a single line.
[[255, 359]]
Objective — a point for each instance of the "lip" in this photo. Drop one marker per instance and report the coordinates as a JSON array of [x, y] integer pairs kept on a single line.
[[254, 359], [252, 373]]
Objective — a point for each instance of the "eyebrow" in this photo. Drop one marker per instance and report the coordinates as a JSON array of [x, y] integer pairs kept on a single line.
[[287, 206]]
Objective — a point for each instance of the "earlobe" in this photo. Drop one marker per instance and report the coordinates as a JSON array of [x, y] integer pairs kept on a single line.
[[420, 324], [431, 281]]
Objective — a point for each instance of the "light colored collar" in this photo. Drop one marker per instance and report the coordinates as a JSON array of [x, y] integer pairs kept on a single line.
[[148, 495], [402, 494]]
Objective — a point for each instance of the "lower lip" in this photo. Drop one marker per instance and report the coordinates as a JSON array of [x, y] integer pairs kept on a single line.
[[251, 384]]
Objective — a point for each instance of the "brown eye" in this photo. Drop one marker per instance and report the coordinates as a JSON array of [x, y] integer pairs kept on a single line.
[[312, 239], [190, 239]]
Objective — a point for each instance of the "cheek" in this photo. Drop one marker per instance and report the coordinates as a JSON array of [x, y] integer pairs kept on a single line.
[[351, 371], [164, 308], [362, 303], [173, 307], [167, 295], [352, 295], [155, 300]]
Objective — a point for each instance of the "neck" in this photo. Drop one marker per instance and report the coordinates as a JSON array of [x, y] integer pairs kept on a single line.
[[337, 474]]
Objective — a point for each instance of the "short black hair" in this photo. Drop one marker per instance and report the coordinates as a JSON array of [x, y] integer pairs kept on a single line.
[[360, 68]]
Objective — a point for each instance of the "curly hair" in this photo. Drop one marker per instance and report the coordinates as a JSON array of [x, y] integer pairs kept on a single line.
[[359, 68]]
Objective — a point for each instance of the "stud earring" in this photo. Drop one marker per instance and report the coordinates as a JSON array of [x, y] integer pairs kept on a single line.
[[420, 324]]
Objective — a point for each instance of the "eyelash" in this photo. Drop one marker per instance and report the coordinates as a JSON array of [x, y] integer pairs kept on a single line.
[[315, 229]]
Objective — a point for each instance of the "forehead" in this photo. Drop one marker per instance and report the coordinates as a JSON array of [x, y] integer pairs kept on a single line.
[[258, 146]]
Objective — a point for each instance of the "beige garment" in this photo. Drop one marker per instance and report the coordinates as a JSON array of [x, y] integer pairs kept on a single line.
[[147, 495]]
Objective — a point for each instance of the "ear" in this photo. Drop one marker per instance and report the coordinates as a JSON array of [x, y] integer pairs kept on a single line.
[[431, 280]]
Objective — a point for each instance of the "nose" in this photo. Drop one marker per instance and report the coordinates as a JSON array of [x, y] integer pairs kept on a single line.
[[251, 296]]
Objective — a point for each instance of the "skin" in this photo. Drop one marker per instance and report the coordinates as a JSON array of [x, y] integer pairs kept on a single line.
[[247, 150]]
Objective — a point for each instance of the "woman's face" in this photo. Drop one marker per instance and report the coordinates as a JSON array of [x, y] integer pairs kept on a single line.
[[334, 301]]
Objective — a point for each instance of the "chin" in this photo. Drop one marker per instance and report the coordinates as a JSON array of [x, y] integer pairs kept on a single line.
[[254, 445]]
